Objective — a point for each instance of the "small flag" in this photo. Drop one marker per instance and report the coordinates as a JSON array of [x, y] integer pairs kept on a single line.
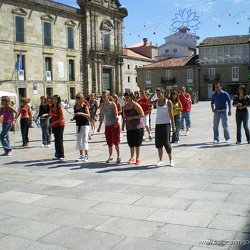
[[19, 62]]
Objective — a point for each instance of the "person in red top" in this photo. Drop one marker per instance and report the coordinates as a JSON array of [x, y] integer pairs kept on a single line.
[[146, 109], [57, 124], [185, 99]]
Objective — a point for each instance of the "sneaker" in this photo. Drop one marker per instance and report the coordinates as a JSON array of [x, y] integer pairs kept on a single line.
[[10, 152], [138, 162], [227, 141], [55, 158], [186, 134], [143, 138], [215, 141], [109, 160], [61, 159], [80, 158], [159, 163], [238, 142], [131, 160], [42, 145], [48, 146], [171, 163], [118, 161], [86, 158]]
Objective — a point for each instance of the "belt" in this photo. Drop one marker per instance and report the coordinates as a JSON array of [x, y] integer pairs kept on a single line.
[[221, 110]]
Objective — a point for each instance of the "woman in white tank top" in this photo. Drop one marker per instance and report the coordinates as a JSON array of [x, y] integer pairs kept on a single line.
[[164, 120]]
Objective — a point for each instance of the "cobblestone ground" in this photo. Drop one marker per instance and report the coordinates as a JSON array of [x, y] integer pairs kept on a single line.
[[202, 202]]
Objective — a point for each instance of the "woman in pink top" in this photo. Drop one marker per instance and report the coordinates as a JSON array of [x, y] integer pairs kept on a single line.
[[7, 112]]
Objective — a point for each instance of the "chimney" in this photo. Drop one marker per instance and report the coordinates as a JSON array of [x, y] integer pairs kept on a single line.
[[145, 41]]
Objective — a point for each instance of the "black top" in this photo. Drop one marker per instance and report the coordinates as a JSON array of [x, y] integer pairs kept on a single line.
[[80, 120], [44, 109], [244, 101]]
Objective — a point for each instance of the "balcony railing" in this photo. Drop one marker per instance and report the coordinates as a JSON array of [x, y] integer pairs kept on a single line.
[[215, 78], [168, 80], [106, 48]]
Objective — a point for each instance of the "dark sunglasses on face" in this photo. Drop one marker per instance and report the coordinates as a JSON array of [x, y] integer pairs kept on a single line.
[[78, 97]]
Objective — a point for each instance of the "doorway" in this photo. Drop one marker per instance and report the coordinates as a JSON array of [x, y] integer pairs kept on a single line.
[[210, 90], [21, 93], [106, 79]]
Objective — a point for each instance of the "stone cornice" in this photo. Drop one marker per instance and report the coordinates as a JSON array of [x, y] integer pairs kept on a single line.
[[46, 4]]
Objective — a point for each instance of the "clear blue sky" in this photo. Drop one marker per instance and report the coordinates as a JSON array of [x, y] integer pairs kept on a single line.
[[159, 18]]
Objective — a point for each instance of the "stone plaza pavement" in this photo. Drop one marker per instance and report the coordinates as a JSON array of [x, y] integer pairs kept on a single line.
[[201, 203]]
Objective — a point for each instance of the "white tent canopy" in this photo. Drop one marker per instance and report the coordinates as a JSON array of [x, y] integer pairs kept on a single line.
[[4, 93]]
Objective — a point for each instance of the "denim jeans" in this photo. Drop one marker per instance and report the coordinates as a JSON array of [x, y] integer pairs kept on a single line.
[[242, 117], [175, 136], [5, 136], [45, 131], [185, 116], [223, 117]]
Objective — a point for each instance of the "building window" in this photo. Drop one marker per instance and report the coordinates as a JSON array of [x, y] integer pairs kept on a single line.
[[128, 66], [72, 92], [168, 75], [20, 66], [166, 51], [48, 68], [47, 33], [19, 29], [70, 37], [148, 77], [49, 92], [106, 42], [71, 70], [175, 50], [128, 78], [235, 73], [211, 73], [189, 75], [136, 79]]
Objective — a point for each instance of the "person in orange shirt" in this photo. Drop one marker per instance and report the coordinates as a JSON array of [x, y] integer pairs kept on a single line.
[[25, 120]]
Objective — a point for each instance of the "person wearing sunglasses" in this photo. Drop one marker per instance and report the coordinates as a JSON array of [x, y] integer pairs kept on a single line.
[[8, 112], [81, 117]]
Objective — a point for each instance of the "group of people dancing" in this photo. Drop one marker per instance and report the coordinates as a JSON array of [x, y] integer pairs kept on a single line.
[[130, 110]]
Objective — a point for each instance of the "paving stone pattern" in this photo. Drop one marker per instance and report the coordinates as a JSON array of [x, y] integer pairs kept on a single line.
[[201, 203]]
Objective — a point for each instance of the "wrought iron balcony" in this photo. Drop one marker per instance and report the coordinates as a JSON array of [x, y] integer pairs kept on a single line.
[[168, 80], [215, 78], [107, 48]]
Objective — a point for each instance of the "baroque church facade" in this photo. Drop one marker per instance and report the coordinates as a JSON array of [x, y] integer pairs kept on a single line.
[[50, 48]]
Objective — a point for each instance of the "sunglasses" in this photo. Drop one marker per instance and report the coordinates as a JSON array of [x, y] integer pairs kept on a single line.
[[78, 97]]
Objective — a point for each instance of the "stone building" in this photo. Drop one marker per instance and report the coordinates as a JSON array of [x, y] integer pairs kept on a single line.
[[225, 60], [50, 48], [135, 56], [171, 74]]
